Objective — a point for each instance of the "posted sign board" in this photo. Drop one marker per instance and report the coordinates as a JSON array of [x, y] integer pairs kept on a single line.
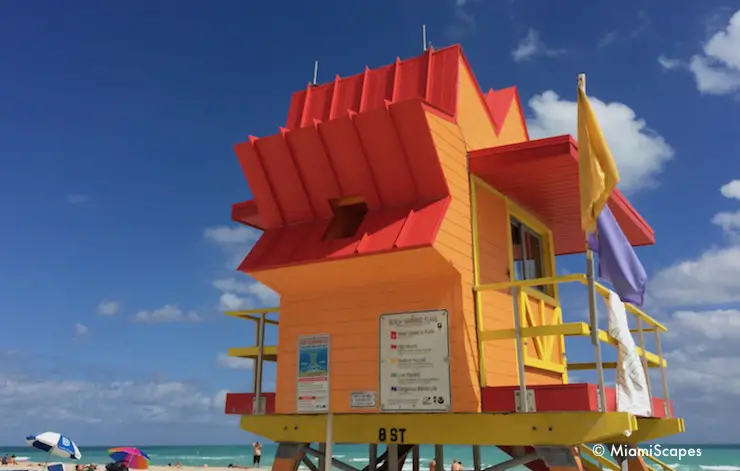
[[362, 399], [415, 362], [313, 374]]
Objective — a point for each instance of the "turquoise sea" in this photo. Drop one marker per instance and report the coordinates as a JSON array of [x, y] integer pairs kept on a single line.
[[713, 457]]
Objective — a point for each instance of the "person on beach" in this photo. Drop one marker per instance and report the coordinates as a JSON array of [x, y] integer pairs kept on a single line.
[[433, 465], [256, 454], [457, 466]]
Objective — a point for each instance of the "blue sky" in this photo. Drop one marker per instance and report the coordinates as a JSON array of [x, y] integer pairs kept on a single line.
[[118, 177]]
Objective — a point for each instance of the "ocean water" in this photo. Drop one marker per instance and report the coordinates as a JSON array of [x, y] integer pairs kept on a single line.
[[713, 457]]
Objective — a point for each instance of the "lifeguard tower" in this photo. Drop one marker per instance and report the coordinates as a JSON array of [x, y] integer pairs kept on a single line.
[[412, 228]]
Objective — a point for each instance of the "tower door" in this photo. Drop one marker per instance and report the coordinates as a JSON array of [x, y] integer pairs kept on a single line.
[[538, 305]]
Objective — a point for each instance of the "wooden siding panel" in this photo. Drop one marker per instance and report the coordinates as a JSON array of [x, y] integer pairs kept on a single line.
[[351, 317], [454, 241]]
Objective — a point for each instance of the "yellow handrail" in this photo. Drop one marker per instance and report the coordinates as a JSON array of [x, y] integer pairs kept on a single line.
[[524, 288], [579, 278], [250, 314], [603, 461]]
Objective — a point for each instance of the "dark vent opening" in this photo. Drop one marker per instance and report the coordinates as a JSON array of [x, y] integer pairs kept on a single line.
[[346, 221]]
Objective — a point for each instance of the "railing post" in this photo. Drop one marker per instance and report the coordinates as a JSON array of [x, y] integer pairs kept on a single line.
[[659, 351], [644, 360], [593, 315], [329, 449], [255, 383], [258, 367], [517, 293], [477, 295]]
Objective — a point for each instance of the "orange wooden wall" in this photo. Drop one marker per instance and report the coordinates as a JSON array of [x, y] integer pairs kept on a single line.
[[348, 309], [454, 240], [498, 309], [474, 130]]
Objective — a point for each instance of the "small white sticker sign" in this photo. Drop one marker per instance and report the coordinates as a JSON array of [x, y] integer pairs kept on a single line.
[[362, 399]]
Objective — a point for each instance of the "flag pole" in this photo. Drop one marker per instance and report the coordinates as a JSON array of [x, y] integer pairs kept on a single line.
[[593, 313]]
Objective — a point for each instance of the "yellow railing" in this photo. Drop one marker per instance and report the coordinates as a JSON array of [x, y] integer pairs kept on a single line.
[[269, 352], [260, 352], [525, 328], [254, 314]]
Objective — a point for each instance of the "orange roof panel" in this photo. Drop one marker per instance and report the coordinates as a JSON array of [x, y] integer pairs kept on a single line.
[[385, 156], [314, 169], [283, 177], [348, 160], [542, 177], [247, 213], [431, 76], [257, 178], [381, 231]]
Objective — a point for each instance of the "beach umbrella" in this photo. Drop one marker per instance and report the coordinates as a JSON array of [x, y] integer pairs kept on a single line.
[[55, 444], [130, 456]]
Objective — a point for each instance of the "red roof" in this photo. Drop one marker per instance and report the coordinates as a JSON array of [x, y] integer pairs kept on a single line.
[[542, 177], [499, 102], [384, 156], [381, 230], [431, 77]]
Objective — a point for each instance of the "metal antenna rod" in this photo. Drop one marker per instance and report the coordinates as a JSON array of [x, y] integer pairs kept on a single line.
[[315, 72], [424, 36]]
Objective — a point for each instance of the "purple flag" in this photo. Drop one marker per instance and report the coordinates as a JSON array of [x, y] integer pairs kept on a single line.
[[618, 262]]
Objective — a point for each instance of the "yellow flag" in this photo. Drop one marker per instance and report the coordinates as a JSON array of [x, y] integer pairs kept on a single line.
[[597, 172]]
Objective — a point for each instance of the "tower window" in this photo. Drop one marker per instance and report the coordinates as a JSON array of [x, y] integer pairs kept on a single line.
[[528, 255], [348, 216]]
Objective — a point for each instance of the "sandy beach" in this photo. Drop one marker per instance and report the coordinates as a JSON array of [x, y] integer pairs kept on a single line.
[[32, 465]]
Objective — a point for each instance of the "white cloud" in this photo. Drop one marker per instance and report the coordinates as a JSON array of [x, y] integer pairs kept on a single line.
[[639, 151], [531, 46], [731, 190], [232, 302], [729, 222], [244, 293], [229, 236], [78, 198], [234, 363], [462, 21], [166, 315], [642, 26], [108, 308], [704, 360], [721, 324], [254, 289], [716, 68], [97, 402], [711, 278], [235, 241], [608, 39], [669, 64], [81, 330]]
